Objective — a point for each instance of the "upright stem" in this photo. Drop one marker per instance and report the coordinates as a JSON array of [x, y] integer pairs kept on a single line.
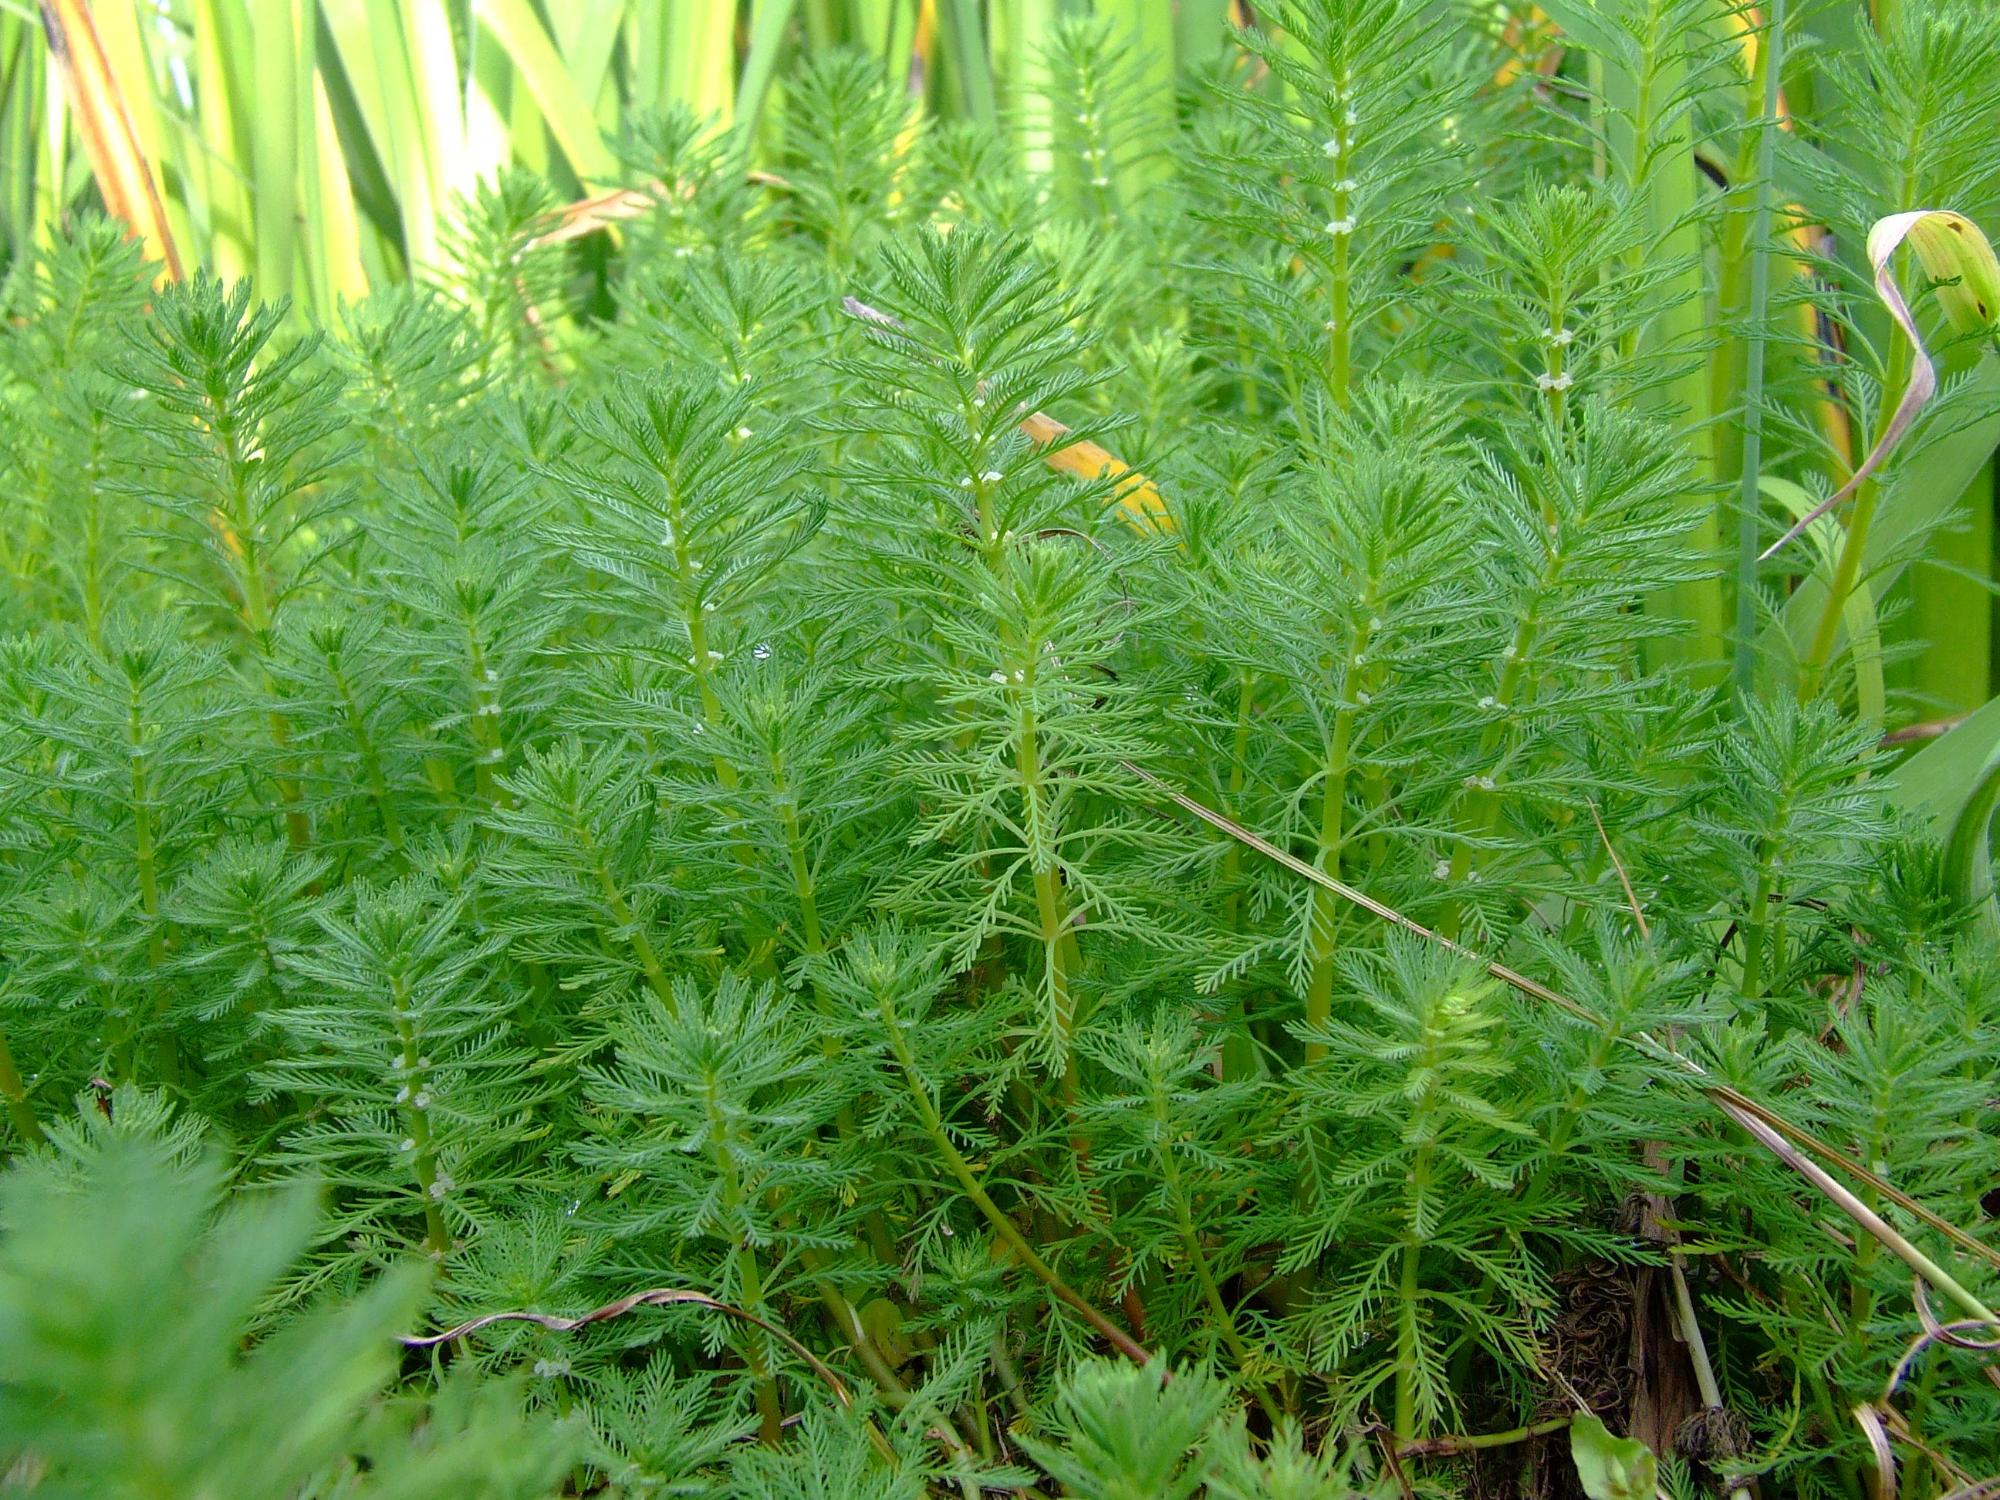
[[1225, 1321], [1010, 1234], [241, 543], [1409, 1291], [416, 1120], [488, 746], [371, 759], [1340, 294], [770, 1413], [1332, 821], [1479, 814], [1770, 59]]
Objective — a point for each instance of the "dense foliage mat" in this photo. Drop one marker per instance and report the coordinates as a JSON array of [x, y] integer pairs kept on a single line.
[[643, 797]]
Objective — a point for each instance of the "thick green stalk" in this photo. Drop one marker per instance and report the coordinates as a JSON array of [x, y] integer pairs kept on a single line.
[[1770, 62], [1409, 1291], [489, 749], [1846, 569], [1653, 148], [414, 1104], [1757, 926], [771, 1415], [1340, 287]]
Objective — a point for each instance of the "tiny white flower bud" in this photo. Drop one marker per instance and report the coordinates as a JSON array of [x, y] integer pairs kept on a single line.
[[1340, 226]]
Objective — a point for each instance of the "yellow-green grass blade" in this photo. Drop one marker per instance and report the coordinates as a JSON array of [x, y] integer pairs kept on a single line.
[[273, 121], [1020, 33], [337, 272], [20, 104], [964, 40], [369, 40], [1200, 30], [1927, 482], [1950, 610], [539, 69], [701, 59], [1936, 780], [489, 136], [437, 95], [770, 26], [96, 96], [124, 27], [1152, 29], [586, 33], [222, 51]]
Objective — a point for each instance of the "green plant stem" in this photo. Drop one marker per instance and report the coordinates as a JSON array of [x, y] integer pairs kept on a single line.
[[749, 1274], [1770, 61], [1479, 814], [1009, 1232], [1239, 756], [1332, 829], [805, 888], [1697, 1347], [240, 542], [416, 1120], [1475, 1442], [144, 855], [1853, 543], [1756, 928], [1225, 1321], [489, 749], [1409, 1291], [371, 759]]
